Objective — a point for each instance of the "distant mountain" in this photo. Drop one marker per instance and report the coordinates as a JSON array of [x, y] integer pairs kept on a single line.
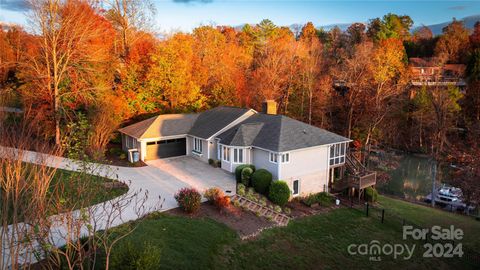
[[342, 26], [468, 21]]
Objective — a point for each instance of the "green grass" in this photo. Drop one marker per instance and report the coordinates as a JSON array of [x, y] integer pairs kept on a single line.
[[77, 187], [184, 243], [69, 191], [427, 217], [316, 242]]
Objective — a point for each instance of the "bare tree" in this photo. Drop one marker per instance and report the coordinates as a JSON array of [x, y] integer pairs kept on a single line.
[[130, 17], [65, 31]]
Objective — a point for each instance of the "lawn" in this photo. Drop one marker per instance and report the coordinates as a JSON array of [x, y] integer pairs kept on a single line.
[[315, 242], [73, 190], [184, 243], [427, 217], [79, 189]]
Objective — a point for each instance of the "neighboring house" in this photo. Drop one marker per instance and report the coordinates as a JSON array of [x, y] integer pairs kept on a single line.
[[308, 158], [427, 71]]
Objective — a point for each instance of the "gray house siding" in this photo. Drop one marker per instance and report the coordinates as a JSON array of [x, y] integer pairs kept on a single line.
[[204, 155], [309, 166], [260, 158]]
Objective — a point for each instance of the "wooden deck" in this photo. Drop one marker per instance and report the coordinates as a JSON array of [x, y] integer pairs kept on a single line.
[[356, 181]]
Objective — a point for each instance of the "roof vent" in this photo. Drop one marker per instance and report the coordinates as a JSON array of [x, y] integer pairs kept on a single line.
[[304, 131]]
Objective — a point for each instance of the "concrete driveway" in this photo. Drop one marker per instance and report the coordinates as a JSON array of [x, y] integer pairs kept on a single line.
[[194, 173]]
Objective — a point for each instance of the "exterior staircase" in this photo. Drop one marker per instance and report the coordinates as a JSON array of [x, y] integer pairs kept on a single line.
[[357, 175], [279, 218]]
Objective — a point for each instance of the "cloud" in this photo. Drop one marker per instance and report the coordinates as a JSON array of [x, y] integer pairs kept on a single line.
[[14, 5], [193, 1], [458, 7]]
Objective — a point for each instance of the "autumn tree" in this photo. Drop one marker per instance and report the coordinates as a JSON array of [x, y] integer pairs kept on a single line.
[[422, 43], [309, 71], [354, 77], [475, 36], [453, 43], [356, 33], [72, 38], [173, 80], [132, 19], [388, 65]]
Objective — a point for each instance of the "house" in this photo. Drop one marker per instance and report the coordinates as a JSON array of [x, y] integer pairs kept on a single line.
[[428, 72], [308, 158]]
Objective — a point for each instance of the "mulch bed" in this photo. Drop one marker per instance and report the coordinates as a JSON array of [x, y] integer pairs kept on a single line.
[[112, 159], [243, 222], [299, 210]]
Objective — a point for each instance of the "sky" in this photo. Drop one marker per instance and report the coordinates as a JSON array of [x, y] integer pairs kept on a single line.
[[184, 15]]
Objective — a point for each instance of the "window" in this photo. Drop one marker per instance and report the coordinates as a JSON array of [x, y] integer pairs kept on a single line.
[[197, 145], [283, 158], [238, 155], [273, 157], [295, 187], [337, 153], [226, 153], [150, 143], [130, 142]]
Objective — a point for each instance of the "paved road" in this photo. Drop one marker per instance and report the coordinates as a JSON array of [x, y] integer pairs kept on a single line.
[[161, 178]]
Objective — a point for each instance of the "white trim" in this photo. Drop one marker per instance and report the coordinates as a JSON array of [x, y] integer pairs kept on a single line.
[[238, 156], [293, 188], [163, 138], [233, 123], [300, 149]]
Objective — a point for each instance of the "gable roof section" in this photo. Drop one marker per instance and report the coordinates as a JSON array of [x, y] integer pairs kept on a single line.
[[161, 126], [278, 133], [212, 121]]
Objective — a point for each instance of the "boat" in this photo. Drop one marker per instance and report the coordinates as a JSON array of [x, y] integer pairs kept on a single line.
[[451, 198]]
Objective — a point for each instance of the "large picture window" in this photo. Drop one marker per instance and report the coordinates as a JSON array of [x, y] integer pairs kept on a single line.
[[337, 153], [238, 155], [197, 145]]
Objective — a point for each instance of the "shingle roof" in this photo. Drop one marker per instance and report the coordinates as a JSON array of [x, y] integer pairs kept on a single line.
[[161, 126], [277, 133], [212, 121]]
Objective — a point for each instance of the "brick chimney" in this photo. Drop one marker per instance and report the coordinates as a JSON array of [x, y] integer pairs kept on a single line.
[[269, 106]]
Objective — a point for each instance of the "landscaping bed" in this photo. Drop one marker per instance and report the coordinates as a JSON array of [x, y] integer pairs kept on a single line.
[[116, 156], [243, 222]]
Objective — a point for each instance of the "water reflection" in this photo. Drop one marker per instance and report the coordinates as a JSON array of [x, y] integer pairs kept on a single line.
[[411, 180]]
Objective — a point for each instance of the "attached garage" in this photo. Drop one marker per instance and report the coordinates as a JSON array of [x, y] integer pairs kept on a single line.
[[166, 148]]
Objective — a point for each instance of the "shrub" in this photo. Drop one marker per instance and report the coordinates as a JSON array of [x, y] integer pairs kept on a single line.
[[211, 161], [212, 193], [116, 151], [122, 156], [287, 210], [322, 198], [261, 180], [277, 209], [246, 175], [279, 193], [222, 202], [371, 194], [128, 256], [218, 163], [236, 203], [241, 189], [189, 199], [238, 171]]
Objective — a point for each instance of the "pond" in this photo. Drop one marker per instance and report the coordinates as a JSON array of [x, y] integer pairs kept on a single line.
[[412, 180]]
